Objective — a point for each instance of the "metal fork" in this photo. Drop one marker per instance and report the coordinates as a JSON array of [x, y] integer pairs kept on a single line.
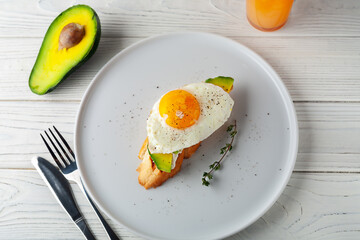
[[71, 172]]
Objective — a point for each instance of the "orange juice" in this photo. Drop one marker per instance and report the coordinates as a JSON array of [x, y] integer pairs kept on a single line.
[[268, 15]]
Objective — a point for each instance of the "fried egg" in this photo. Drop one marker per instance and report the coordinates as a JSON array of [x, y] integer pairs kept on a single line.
[[185, 116]]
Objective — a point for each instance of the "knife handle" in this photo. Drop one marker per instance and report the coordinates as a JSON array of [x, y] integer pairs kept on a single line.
[[62, 191], [84, 229]]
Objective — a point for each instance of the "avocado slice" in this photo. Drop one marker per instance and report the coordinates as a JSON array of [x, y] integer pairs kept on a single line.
[[162, 161], [71, 39], [225, 83]]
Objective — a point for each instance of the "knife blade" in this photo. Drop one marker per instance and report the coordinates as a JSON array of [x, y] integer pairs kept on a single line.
[[61, 189]]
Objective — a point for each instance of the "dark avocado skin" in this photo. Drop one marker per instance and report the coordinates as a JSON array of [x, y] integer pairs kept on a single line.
[[87, 57]]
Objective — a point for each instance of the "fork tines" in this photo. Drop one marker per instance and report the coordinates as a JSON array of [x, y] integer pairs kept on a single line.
[[69, 160]]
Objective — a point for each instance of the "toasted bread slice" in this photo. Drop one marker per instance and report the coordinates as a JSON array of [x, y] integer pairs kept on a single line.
[[150, 176], [190, 150]]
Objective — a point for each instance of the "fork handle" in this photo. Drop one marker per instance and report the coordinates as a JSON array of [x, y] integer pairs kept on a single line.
[[107, 227], [111, 234]]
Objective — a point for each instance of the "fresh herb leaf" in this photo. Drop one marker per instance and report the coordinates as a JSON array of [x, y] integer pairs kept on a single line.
[[230, 128], [217, 167], [232, 134], [222, 150], [205, 182]]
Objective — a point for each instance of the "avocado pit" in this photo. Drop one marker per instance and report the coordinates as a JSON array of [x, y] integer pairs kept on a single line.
[[71, 35]]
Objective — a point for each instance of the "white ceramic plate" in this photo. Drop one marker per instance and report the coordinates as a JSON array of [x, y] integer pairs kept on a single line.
[[111, 127]]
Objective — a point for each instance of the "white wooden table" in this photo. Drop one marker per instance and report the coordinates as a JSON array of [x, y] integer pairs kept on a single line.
[[317, 54]]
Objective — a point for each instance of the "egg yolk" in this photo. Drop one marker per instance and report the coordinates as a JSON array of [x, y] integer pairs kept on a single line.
[[179, 108]]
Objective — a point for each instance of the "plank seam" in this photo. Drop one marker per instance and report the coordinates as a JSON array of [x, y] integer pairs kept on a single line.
[[295, 171], [78, 101]]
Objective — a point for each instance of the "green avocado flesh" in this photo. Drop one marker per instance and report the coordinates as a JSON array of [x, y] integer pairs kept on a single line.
[[162, 161], [225, 83], [54, 63]]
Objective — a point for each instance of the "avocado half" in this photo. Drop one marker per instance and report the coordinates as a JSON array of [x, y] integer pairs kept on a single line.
[[56, 61]]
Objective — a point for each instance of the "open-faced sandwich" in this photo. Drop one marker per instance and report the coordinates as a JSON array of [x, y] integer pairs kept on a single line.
[[178, 122]]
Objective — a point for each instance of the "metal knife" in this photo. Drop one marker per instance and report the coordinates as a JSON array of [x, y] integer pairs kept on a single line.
[[61, 189]]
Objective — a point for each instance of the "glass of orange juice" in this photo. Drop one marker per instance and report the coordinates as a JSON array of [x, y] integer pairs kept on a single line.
[[268, 15]]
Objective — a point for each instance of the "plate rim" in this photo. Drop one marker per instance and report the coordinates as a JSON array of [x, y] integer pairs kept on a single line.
[[277, 81]]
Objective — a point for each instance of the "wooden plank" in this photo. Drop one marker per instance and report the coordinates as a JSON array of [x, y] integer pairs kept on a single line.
[[313, 69], [329, 133], [28, 210], [313, 206], [18, 62], [329, 136], [142, 18]]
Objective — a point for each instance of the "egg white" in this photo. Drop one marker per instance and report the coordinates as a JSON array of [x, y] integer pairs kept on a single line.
[[215, 109]]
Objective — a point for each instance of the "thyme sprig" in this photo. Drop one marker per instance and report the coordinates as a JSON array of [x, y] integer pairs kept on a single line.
[[207, 176]]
